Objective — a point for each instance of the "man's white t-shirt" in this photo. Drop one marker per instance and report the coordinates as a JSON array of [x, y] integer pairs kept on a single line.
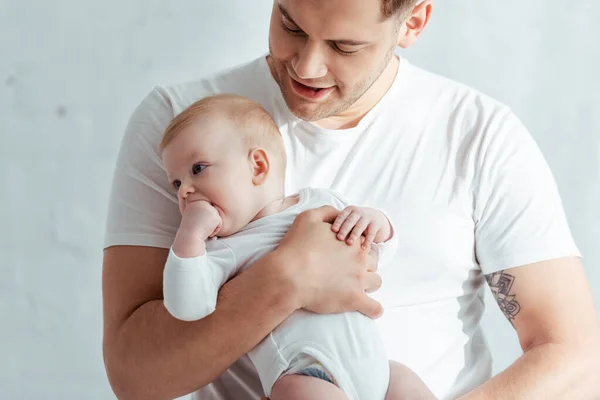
[[465, 184]]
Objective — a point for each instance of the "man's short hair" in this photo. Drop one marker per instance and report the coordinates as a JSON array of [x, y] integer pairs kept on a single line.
[[399, 8]]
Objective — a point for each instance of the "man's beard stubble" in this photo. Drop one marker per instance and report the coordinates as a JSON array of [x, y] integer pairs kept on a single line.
[[325, 110]]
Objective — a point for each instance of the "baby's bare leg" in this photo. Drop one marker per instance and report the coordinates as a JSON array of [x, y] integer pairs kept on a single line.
[[301, 387], [406, 385]]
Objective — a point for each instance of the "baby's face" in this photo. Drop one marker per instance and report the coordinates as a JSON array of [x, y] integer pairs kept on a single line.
[[208, 161]]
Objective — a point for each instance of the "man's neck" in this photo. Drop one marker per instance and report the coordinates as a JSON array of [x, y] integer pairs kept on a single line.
[[355, 113]]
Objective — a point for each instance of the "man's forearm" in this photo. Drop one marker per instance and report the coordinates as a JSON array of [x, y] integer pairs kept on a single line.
[[155, 356], [547, 371]]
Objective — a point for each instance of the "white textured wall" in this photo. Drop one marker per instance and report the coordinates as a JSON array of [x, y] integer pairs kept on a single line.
[[72, 71]]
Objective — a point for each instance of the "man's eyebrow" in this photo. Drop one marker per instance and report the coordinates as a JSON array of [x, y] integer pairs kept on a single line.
[[347, 42], [286, 14], [343, 42]]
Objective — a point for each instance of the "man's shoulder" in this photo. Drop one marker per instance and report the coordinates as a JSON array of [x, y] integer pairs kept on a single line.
[[458, 119], [433, 95], [435, 85], [164, 102], [463, 110], [250, 79]]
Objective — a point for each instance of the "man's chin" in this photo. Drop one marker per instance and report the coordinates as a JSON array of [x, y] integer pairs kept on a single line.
[[305, 113], [308, 111]]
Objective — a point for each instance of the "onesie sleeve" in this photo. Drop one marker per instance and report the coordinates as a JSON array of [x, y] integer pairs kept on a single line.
[[191, 285]]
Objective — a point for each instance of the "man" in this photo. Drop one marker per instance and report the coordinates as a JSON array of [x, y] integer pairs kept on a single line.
[[466, 185]]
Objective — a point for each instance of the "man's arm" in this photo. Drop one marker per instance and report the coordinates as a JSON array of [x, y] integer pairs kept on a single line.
[[551, 308], [151, 355]]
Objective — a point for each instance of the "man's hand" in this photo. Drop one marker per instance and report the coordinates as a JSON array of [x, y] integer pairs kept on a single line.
[[354, 221], [199, 221], [328, 276]]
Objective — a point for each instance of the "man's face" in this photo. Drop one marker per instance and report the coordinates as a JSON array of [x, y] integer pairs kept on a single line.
[[325, 54]]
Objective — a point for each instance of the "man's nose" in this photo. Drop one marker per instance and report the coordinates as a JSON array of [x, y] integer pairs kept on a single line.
[[309, 62]]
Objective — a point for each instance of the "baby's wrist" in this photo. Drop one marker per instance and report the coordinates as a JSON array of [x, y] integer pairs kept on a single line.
[[189, 244]]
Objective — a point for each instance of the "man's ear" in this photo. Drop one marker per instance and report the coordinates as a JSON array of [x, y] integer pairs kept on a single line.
[[415, 23], [259, 165]]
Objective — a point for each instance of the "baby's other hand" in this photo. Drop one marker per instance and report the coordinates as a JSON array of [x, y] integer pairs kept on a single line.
[[354, 221]]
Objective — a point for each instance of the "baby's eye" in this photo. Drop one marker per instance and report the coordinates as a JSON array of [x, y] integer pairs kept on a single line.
[[197, 168], [176, 183]]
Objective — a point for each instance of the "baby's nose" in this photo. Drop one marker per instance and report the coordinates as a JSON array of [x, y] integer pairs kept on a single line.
[[185, 191]]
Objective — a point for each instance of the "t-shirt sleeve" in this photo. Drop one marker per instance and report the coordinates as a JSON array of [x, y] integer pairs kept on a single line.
[[142, 205], [191, 285], [519, 216]]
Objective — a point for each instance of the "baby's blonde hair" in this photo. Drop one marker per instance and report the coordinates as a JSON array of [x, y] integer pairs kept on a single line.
[[256, 127]]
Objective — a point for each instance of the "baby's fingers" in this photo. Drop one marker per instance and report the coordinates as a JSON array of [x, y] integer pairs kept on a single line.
[[348, 225], [358, 230], [370, 237], [339, 221]]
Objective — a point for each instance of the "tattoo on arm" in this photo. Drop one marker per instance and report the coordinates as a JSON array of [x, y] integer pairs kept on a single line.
[[500, 284]]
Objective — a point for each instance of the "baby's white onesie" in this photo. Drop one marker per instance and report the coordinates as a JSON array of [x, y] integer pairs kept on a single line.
[[346, 346]]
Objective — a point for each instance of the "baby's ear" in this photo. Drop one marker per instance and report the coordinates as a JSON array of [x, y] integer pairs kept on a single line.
[[259, 164]]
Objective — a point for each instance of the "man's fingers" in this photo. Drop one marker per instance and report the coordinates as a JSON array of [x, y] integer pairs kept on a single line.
[[370, 307], [326, 213], [372, 282], [373, 258]]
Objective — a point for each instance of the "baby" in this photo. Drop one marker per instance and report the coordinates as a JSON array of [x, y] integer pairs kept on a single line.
[[226, 159]]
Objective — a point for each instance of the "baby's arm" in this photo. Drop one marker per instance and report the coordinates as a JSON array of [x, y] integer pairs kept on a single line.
[[189, 285]]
